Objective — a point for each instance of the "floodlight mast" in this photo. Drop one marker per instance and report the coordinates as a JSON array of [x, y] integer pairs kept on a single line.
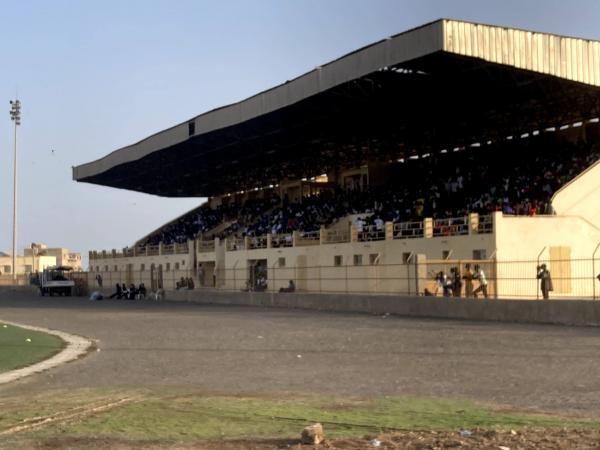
[[15, 116]]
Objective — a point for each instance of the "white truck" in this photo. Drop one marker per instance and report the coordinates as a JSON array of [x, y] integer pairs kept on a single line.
[[56, 280]]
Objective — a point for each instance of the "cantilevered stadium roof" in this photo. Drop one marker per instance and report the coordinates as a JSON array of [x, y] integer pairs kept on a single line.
[[445, 84]]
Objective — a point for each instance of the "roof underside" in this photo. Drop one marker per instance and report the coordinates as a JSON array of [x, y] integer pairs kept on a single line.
[[443, 85]]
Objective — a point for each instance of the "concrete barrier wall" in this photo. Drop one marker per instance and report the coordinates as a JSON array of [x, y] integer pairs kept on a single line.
[[563, 312]]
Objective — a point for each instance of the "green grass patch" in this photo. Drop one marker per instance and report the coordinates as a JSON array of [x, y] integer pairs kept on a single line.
[[20, 347], [180, 416]]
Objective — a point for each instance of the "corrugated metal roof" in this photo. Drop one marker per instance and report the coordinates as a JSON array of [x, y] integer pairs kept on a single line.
[[565, 57]]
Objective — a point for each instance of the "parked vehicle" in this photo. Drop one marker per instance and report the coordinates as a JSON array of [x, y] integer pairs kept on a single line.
[[56, 280]]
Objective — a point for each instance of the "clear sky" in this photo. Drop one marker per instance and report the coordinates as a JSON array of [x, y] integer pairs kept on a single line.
[[96, 76]]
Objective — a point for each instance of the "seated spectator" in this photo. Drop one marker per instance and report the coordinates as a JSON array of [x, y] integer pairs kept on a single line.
[[118, 292], [132, 292], [291, 287], [141, 292], [181, 284], [190, 283]]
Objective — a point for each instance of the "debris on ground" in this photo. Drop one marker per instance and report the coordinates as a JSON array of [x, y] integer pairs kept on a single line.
[[313, 434]]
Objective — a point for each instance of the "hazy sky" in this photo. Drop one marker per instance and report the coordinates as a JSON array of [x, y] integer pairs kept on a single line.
[[96, 76]]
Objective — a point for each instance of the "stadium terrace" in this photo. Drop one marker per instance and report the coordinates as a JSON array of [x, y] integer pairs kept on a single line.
[[447, 144]]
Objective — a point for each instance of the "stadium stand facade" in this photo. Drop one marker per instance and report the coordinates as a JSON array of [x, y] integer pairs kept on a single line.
[[387, 170]]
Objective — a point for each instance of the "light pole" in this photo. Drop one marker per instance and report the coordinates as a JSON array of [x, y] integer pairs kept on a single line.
[[15, 116]]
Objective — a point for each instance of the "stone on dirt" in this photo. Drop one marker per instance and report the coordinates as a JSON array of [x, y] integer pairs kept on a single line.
[[313, 434]]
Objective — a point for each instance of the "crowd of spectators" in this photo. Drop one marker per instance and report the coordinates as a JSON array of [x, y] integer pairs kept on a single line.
[[516, 177]]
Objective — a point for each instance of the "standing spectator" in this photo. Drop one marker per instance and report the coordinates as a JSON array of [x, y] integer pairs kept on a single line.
[[480, 276], [456, 281], [99, 280], [468, 277], [543, 274], [200, 272]]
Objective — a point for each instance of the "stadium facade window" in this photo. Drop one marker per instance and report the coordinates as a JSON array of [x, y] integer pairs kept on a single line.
[[358, 260], [183, 262], [106, 268], [405, 257], [97, 268], [373, 258], [281, 262], [337, 260], [168, 268], [116, 268], [191, 128], [7, 269], [479, 254], [445, 254], [176, 266], [142, 267]]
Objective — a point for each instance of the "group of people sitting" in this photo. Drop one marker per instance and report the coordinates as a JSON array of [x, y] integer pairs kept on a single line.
[[129, 293], [185, 283]]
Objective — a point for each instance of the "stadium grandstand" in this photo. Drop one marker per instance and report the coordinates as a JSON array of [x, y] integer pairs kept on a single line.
[[450, 144]]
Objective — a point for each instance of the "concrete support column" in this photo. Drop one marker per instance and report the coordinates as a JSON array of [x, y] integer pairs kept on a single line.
[[473, 223], [353, 233], [389, 231], [420, 273], [322, 235], [269, 240], [246, 243], [295, 238], [428, 227], [160, 248]]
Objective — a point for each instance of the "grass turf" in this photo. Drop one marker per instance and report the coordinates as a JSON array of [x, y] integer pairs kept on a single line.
[[177, 415], [17, 351]]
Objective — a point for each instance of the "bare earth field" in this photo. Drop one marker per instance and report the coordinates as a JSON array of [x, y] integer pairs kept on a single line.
[[146, 347]]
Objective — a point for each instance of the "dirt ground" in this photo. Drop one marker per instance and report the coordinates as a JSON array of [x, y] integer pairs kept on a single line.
[[477, 440], [256, 350]]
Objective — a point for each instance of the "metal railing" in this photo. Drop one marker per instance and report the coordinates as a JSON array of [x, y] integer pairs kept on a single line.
[[337, 236], [206, 246], [234, 244], [456, 226], [182, 248], [282, 240], [485, 225], [308, 238], [408, 230], [256, 242], [371, 233]]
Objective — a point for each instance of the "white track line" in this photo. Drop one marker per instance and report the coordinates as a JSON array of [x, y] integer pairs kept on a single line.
[[76, 346]]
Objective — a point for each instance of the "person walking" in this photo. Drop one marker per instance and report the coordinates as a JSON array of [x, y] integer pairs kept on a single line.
[[480, 276], [543, 274]]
